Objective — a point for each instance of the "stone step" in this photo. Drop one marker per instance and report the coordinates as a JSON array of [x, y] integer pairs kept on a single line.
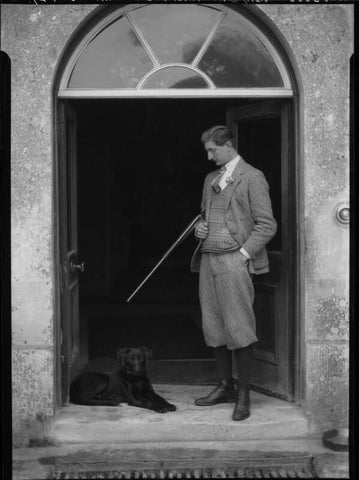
[[270, 418]]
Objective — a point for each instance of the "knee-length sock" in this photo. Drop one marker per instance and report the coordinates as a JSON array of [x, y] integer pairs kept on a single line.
[[224, 362], [243, 358]]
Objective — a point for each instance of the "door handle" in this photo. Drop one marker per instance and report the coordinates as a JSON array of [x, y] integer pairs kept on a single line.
[[77, 267]]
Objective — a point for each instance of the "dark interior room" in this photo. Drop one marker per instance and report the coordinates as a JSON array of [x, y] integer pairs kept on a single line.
[[141, 167]]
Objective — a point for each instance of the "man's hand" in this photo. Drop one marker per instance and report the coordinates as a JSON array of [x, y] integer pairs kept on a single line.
[[201, 230]]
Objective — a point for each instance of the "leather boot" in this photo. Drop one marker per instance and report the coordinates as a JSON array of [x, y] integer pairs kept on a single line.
[[223, 393], [241, 409]]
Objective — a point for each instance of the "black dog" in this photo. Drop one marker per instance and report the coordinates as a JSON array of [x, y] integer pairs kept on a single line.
[[129, 384]]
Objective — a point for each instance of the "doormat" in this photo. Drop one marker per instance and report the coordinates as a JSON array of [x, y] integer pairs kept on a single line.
[[294, 471]]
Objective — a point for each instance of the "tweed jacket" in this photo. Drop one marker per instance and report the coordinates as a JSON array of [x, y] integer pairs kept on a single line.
[[248, 214]]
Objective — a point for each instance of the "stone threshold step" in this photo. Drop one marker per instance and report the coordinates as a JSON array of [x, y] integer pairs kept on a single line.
[[270, 419]]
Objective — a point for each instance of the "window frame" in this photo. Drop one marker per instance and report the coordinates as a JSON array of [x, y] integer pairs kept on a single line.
[[274, 92]]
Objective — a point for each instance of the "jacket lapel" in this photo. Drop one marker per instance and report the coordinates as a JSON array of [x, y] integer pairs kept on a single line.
[[237, 177]]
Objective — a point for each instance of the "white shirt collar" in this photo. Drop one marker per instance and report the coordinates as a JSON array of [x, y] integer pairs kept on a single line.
[[231, 165]]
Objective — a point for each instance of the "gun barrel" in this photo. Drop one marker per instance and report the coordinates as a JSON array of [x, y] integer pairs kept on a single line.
[[183, 235]]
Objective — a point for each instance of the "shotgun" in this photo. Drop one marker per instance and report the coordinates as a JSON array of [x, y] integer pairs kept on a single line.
[[183, 235]]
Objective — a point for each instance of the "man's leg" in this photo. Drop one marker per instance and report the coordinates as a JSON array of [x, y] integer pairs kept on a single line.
[[224, 363], [243, 358], [235, 295], [214, 336], [225, 391]]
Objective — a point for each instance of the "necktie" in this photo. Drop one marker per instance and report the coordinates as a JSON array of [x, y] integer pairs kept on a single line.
[[217, 179]]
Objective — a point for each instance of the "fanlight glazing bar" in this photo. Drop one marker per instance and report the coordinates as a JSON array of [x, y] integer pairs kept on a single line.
[[183, 65], [144, 42], [208, 41]]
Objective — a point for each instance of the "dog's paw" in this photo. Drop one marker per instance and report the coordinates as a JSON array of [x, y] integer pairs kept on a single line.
[[166, 408], [161, 409]]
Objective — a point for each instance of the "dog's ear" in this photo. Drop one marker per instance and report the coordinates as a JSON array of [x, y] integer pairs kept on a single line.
[[147, 354], [121, 355]]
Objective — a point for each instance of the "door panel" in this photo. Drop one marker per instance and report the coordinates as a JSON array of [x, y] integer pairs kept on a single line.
[[94, 220], [69, 262], [261, 135]]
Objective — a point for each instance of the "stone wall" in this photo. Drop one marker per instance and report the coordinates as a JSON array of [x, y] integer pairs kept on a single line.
[[34, 38], [320, 38]]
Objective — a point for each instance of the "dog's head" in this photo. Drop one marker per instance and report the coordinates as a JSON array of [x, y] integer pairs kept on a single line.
[[134, 361]]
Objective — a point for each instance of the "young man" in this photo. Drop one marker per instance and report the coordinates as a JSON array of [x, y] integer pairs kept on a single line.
[[237, 226]]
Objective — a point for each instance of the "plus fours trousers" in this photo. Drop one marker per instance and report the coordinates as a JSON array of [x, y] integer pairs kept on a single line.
[[226, 295]]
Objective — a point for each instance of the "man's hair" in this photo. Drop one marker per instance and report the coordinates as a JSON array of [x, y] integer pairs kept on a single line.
[[220, 134]]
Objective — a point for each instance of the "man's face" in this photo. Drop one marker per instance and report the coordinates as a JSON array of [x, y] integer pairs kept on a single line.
[[219, 154]]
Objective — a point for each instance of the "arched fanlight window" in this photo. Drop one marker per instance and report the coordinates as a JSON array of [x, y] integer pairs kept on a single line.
[[140, 50]]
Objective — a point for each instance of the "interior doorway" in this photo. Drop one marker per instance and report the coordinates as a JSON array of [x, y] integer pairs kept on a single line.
[[140, 171]]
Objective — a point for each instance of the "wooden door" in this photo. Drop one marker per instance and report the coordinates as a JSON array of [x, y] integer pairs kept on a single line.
[[70, 266], [262, 135]]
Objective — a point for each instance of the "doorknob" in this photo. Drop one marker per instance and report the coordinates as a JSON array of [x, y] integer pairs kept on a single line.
[[80, 267]]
